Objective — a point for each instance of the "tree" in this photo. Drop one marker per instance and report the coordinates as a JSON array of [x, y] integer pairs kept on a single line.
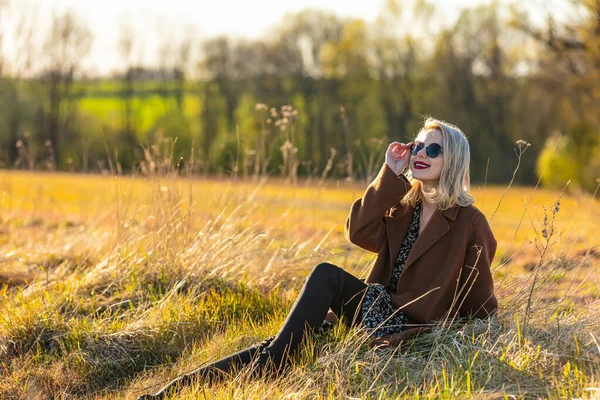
[[18, 101], [3, 10], [568, 69], [67, 44], [175, 56], [300, 38], [127, 49], [397, 58], [219, 67], [474, 87]]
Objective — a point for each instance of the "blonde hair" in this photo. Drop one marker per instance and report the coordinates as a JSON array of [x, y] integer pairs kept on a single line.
[[454, 185]]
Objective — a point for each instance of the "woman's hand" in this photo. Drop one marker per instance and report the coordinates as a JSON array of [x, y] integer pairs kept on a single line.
[[331, 317], [397, 156], [379, 343], [388, 341]]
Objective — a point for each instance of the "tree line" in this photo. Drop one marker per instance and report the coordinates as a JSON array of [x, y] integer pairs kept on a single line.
[[320, 96]]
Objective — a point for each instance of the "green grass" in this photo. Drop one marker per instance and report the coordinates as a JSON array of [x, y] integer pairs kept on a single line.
[[112, 286]]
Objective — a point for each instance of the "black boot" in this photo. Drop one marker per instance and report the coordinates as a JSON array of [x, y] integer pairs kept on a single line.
[[217, 371], [267, 367]]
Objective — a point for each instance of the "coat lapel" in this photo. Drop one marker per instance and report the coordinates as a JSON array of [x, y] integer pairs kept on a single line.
[[435, 229], [397, 227]]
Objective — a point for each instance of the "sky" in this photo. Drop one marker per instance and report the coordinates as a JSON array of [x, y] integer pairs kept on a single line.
[[153, 20]]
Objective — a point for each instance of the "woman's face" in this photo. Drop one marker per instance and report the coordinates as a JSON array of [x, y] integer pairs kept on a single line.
[[424, 168]]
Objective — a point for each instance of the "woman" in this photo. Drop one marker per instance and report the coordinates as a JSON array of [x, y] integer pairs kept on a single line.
[[433, 264]]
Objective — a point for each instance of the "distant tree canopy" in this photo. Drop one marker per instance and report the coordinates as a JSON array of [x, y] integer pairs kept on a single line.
[[320, 96]]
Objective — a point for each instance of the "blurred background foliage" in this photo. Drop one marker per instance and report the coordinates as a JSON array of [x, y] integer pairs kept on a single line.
[[320, 95]]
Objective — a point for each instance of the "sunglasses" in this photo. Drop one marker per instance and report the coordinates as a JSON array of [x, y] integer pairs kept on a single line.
[[433, 150]]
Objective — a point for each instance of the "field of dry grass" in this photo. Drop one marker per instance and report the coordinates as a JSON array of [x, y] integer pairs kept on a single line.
[[112, 285]]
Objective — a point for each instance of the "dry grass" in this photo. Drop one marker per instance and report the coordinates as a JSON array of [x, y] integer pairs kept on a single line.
[[113, 285]]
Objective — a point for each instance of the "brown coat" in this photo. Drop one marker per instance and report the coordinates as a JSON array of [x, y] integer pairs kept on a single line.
[[447, 273]]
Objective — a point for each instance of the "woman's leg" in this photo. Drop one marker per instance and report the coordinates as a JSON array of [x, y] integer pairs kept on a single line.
[[327, 286], [216, 371]]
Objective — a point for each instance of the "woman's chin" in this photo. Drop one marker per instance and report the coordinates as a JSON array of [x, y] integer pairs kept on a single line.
[[423, 176], [419, 174]]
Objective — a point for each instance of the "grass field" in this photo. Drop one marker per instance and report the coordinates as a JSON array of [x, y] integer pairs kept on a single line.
[[111, 286]]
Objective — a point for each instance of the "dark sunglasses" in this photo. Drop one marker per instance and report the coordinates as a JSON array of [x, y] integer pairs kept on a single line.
[[433, 150]]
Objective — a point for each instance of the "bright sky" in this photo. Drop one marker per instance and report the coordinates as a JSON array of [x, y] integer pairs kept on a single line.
[[152, 20]]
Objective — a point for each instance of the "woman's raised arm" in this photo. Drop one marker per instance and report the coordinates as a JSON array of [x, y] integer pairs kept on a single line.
[[365, 225]]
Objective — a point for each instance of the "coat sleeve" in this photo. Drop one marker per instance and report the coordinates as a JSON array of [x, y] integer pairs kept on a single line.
[[476, 283], [365, 225]]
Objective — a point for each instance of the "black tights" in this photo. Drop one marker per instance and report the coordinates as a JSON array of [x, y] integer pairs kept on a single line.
[[326, 287]]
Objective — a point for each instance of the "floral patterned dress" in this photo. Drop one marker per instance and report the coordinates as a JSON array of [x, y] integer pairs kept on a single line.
[[377, 309]]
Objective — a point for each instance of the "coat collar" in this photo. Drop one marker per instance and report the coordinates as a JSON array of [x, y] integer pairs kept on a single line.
[[437, 227]]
